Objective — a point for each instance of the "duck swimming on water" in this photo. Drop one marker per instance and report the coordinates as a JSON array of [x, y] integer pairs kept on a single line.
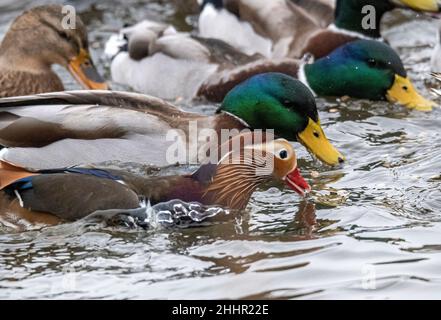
[[69, 128], [37, 40], [297, 27], [70, 194], [181, 65]]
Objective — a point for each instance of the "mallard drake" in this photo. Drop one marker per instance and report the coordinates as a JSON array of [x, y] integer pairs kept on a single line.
[[349, 18], [73, 193], [35, 41], [69, 128], [365, 69], [295, 28], [372, 70]]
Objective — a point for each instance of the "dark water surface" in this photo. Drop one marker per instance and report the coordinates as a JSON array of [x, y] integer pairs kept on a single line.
[[370, 230]]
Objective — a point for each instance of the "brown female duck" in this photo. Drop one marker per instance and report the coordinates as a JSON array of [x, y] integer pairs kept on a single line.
[[35, 41], [245, 163]]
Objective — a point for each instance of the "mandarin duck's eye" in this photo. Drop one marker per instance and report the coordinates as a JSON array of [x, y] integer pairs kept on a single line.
[[283, 154]]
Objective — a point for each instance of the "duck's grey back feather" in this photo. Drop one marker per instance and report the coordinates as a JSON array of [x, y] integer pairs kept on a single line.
[[322, 11], [117, 99], [82, 127]]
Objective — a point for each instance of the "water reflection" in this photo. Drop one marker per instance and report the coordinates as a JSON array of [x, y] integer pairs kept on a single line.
[[380, 213]]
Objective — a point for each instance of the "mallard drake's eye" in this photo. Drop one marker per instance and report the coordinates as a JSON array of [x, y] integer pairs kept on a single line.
[[372, 63], [283, 154]]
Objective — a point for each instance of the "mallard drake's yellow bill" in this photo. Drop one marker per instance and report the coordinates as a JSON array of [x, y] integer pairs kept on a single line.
[[422, 5], [403, 92], [82, 69], [314, 139]]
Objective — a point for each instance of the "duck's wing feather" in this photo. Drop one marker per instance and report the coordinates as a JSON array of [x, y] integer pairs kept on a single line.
[[227, 26], [71, 128], [117, 99], [74, 196], [218, 85], [149, 150], [285, 23], [322, 11]]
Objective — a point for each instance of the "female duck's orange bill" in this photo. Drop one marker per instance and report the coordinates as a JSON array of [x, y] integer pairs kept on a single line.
[[296, 182], [83, 70]]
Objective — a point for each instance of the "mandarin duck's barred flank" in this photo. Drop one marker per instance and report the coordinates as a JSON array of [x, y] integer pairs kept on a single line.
[[35, 41], [96, 126], [73, 193]]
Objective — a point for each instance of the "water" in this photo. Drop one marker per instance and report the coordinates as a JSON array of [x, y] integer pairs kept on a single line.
[[369, 230]]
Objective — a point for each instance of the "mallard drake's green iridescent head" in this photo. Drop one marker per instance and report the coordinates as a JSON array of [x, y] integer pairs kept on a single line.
[[365, 69], [280, 102]]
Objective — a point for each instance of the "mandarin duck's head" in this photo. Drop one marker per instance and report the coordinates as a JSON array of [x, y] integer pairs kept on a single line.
[[246, 162]]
